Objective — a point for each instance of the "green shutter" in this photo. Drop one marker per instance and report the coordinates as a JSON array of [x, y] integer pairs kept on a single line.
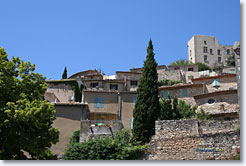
[[165, 94], [134, 98], [184, 92]]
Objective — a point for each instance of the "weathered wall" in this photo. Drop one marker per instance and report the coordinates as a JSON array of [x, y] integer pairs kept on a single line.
[[169, 75], [110, 101], [127, 108], [191, 91], [67, 121], [193, 140], [62, 91], [228, 98]]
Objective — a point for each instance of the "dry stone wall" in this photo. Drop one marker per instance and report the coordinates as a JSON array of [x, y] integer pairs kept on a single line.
[[193, 140]]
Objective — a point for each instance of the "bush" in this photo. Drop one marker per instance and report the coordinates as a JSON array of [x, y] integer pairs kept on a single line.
[[122, 147], [167, 82], [75, 137]]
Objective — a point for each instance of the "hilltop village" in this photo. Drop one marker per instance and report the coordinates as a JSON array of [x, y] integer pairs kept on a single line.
[[91, 97]]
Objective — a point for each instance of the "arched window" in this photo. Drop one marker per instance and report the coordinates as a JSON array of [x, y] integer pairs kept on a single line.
[[211, 101]]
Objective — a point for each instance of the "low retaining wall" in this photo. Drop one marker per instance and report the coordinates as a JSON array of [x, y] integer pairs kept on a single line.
[[193, 140]]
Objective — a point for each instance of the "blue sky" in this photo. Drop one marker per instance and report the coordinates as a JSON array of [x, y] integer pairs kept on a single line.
[[110, 34]]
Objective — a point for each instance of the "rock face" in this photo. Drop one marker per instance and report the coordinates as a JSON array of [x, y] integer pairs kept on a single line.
[[193, 140]]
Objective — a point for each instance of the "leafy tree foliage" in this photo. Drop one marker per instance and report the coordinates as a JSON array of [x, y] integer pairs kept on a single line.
[[147, 107], [203, 67], [174, 109], [167, 82], [202, 115], [64, 75], [121, 147], [181, 62], [231, 60], [25, 117]]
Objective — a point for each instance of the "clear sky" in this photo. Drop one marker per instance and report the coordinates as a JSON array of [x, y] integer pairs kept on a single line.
[[110, 34]]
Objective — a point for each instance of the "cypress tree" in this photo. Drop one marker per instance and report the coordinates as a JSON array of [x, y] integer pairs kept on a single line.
[[147, 107], [64, 75]]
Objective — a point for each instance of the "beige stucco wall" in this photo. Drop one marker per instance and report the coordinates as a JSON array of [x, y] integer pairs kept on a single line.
[[62, 91], [67, 121], [127, 109], [110, 101]]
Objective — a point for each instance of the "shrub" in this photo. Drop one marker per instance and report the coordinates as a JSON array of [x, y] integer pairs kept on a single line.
[[121, 147]]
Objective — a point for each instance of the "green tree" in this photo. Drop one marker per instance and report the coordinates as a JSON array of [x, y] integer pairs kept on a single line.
[[64, 75], [25, 117], [181, 62], [121, 147], [231, 60], [147, 107], [202, 67], [174, 109]]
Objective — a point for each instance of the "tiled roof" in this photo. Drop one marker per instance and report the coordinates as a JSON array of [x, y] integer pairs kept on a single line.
[[178, 86], [213, 77], [224, 92]]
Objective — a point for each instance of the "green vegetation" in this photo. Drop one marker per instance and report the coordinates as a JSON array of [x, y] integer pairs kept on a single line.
[[167, 82], [203, 67], [147, 107], [174, 109], [64, 75], [121, 147], [25, 117], [181, 62], [231, 60], [202, 115]]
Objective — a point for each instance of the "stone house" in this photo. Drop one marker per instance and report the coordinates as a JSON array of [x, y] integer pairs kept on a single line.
[[192, 67], [182, 90], [60, 90], [217, 83], [206, 49]]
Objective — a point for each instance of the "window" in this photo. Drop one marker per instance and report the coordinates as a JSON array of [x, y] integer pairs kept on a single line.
[[205, 49], [190, 52], [98, 102], [134, 83], [211, 101], [216, 83], [205, 58], [184, 92], [93, 85], [211, 51], [228, 51], [218, 51], [165, 94], [176, 68], [219, 59], [114, 86], [205, 42], [190, 69], [134, 98]]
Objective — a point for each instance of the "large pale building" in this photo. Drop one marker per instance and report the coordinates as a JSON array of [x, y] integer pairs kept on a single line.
[[208, 50]]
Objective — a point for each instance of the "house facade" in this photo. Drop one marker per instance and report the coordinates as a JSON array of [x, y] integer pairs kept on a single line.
[[208, 50]]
